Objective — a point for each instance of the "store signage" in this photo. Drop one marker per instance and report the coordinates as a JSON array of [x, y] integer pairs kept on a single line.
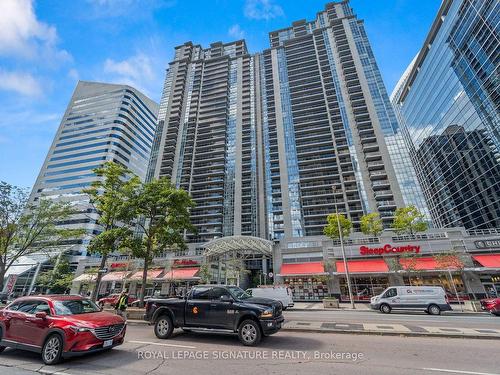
[[389, 249], [184, 262], [11, 282], [487, 244], [118, 265]]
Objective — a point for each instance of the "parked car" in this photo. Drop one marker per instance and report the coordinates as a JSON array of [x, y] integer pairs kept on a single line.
[[279, 293], [431, 299], [112, 300], [216, 308], [492, 305], [59, 326]]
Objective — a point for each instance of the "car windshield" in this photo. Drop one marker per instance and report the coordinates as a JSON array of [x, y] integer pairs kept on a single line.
[[238, 293], [75, 307]]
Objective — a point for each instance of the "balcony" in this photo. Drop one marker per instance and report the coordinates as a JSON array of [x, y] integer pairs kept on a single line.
[[376, 175]]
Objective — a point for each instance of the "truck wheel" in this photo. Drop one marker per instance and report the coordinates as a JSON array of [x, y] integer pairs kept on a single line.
[[385, 308], [434, 310], [164, 327], [52, 350], [249, 333]]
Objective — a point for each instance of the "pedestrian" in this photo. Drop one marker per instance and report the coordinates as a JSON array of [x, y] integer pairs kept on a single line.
[[121, 305]]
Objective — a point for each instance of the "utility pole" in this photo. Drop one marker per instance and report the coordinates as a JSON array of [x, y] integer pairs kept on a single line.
[[341, 237]]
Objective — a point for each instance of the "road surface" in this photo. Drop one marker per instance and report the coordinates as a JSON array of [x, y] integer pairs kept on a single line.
[[284, 353]]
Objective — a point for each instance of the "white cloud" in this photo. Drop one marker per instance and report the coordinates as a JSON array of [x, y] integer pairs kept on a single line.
[[21, 83], [236, 32], [73, 74], [262, 9], [23, 35], [136, 71]]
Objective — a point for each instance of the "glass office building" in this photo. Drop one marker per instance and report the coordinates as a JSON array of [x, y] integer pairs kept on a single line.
[[260, 141], [103, 122], [448, 105]]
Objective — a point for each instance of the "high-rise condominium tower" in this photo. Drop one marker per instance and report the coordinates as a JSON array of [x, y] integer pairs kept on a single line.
[[103, 122], [260, 141], [449, 105]]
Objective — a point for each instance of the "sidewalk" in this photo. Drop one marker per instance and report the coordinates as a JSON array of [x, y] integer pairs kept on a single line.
[[318, 306]]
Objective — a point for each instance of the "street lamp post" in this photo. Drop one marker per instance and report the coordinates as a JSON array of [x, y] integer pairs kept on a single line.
[[341, 237]]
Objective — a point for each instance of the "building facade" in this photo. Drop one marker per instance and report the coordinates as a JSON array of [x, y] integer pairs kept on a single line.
[[448, 106], [454, 258], [103, 122], [206, 141], [260, 141]]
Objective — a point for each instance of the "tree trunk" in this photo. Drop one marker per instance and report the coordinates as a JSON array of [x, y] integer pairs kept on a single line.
[[2, 275], [144, 280], [99, 277]]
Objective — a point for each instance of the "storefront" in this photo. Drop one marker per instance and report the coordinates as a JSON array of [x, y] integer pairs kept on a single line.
[[178, 281], [307, 281], [466, 264]]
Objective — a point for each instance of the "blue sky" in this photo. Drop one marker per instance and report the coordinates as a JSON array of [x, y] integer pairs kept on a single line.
[[47, 45]]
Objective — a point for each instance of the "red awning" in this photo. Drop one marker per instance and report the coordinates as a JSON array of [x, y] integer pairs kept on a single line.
[[181, 274], [363, 266], [116, 276], [421, 264], [311, 268], [152, 274], [488, 260]]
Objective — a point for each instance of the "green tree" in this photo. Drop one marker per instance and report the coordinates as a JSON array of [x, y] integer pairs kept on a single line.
[[409, 263], [332, 228], [58, 280], [409, 220], [165, 215], [111, 197], [371, 224], [29, 228], [205, 273], [451, 262]]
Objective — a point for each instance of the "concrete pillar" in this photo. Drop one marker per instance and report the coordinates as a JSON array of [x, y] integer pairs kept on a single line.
[[35, 276], [473, 285], [334, 286]]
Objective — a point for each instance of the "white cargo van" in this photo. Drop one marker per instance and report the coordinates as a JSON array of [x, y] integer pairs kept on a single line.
[[432, 299], [280, 293]]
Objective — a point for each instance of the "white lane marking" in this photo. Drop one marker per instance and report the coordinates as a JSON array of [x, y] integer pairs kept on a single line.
[[50, 372], [162, 344], [458, 371]]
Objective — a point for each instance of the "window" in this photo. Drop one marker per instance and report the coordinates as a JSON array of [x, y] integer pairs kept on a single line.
[[74, 307], [13, 306], [42, 307], [201, 293], [218, 292], [27, 307], [393, 292]]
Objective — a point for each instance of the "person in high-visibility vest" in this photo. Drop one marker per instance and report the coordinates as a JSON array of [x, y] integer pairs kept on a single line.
[[122, 304]]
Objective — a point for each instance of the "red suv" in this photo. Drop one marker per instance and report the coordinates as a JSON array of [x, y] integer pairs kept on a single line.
[[59, 327], [492, 305], [112, 300]]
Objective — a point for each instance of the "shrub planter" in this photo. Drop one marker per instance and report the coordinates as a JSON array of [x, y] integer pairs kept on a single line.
[[331, 303]]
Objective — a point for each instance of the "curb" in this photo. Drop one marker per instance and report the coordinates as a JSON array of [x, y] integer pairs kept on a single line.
[[359, 332], [387, 333], [453, 313]]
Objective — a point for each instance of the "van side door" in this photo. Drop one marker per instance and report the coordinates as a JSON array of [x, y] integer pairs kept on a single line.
[[391, 296]]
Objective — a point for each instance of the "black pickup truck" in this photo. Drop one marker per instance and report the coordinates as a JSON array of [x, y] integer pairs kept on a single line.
[[216, 308]]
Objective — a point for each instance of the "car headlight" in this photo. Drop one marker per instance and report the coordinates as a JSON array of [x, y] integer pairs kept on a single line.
[[76, 329], [267, 314]]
